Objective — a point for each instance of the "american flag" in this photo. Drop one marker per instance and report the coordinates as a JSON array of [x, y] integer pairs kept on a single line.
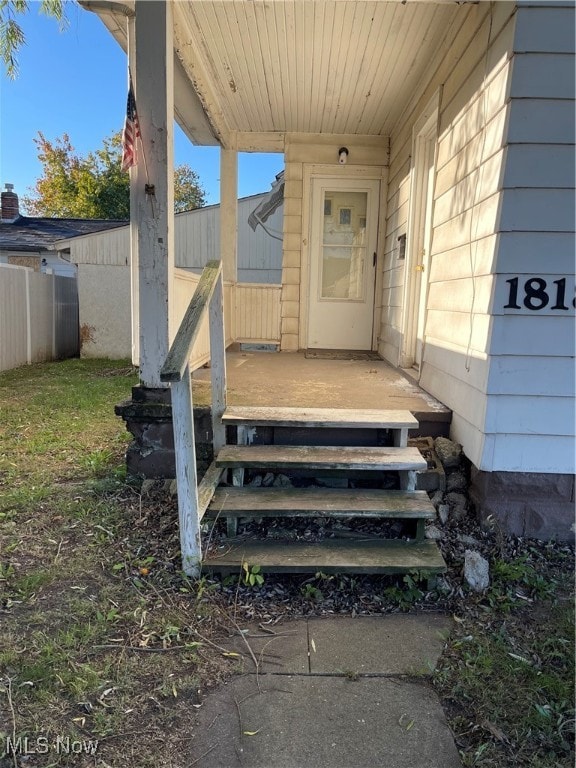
[[130, 133]]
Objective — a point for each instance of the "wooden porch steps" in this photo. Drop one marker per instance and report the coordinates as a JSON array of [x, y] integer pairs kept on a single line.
[[363, 556], [338, 550], [293, 457], [320, 502], [318, 417]]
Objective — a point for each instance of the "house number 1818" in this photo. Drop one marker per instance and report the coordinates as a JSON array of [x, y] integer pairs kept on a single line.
[[537, 295]]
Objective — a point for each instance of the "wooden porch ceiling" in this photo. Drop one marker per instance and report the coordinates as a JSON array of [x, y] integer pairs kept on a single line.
[[250, 71]]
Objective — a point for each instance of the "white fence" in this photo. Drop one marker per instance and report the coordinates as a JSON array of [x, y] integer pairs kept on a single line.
[[38, 317]]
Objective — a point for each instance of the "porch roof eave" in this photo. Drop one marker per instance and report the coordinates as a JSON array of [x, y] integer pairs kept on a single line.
[[189, 111], [241, 82]]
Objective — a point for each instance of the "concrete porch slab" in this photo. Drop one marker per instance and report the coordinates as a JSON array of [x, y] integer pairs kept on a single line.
[[289, 379]]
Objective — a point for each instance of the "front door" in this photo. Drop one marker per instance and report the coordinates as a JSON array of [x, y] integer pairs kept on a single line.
[[343, 241]]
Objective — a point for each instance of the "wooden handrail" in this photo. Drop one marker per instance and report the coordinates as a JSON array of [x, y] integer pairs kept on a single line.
[[179, 354], [208, 297]]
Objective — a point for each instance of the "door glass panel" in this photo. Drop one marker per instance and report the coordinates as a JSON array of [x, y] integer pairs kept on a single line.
[[343, 245]]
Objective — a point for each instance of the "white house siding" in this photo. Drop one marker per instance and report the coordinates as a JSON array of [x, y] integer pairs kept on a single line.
[[54, 265], [104, 277], [530, 413], [259, 255], [197, 241], [471, 75]]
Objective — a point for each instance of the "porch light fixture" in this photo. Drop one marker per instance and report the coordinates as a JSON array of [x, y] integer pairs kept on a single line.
[[342, 155]]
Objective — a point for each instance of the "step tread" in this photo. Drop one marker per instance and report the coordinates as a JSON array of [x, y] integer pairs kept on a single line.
[[329, 556], [320, 502], [320, 457], [319, 417]]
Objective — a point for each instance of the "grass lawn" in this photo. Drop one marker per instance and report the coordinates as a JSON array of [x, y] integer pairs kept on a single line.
[[102, 637]]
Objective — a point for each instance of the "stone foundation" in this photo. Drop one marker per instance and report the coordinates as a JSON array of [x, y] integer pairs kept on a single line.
[[528, 504], [148, 417]]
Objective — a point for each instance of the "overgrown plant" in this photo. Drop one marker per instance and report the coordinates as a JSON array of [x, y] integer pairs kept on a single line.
[[252, 576]]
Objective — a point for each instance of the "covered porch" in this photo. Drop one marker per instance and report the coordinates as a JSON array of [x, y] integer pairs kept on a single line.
[[323, 380]]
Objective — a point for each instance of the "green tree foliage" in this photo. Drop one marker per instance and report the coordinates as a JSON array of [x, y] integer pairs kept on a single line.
[[11, 35], [95, 187]]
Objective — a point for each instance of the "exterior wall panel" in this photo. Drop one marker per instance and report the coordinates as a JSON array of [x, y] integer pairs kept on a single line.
[[530, 415], [474, 74], [105, 312]]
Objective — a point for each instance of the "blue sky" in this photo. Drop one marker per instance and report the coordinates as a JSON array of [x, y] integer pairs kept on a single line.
[[74, 82]]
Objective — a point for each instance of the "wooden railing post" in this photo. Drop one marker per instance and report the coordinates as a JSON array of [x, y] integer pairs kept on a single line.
[[186, 478], [218, 364]]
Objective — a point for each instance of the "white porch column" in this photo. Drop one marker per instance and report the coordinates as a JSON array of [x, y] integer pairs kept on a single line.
[[134, 186], [229, 212], [153, 183]]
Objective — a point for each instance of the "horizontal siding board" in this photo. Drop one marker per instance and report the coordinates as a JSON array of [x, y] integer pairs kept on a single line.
[[530, 453], [463, 295], [533, 336], [537, 210], [540, 165], [462, 397], [544, 376], [196, 242], [468, 226], [478, 67], [482, 103], [459, 328], [478, 185], [544, 29], [455, 361], [530, 415], [465, 163], [541, 121], [533, 252], [485, 138], [543, 75], [478, 258]]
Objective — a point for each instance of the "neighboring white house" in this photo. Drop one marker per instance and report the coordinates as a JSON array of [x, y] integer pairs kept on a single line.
[[104, 273], [30, 241], [428, 200]]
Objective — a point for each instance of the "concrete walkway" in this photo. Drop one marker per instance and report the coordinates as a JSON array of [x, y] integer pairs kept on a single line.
[[330, 693]]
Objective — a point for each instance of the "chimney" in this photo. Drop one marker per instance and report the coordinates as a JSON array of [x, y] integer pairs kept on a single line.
[[10, 207]]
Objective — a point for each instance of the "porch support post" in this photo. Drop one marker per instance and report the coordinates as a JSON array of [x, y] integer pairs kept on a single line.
[[229, 212], [153, 182], [218, 364], [135, 184]]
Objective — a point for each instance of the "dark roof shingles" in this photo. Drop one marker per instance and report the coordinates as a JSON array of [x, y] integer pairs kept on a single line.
[[38, 234]]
